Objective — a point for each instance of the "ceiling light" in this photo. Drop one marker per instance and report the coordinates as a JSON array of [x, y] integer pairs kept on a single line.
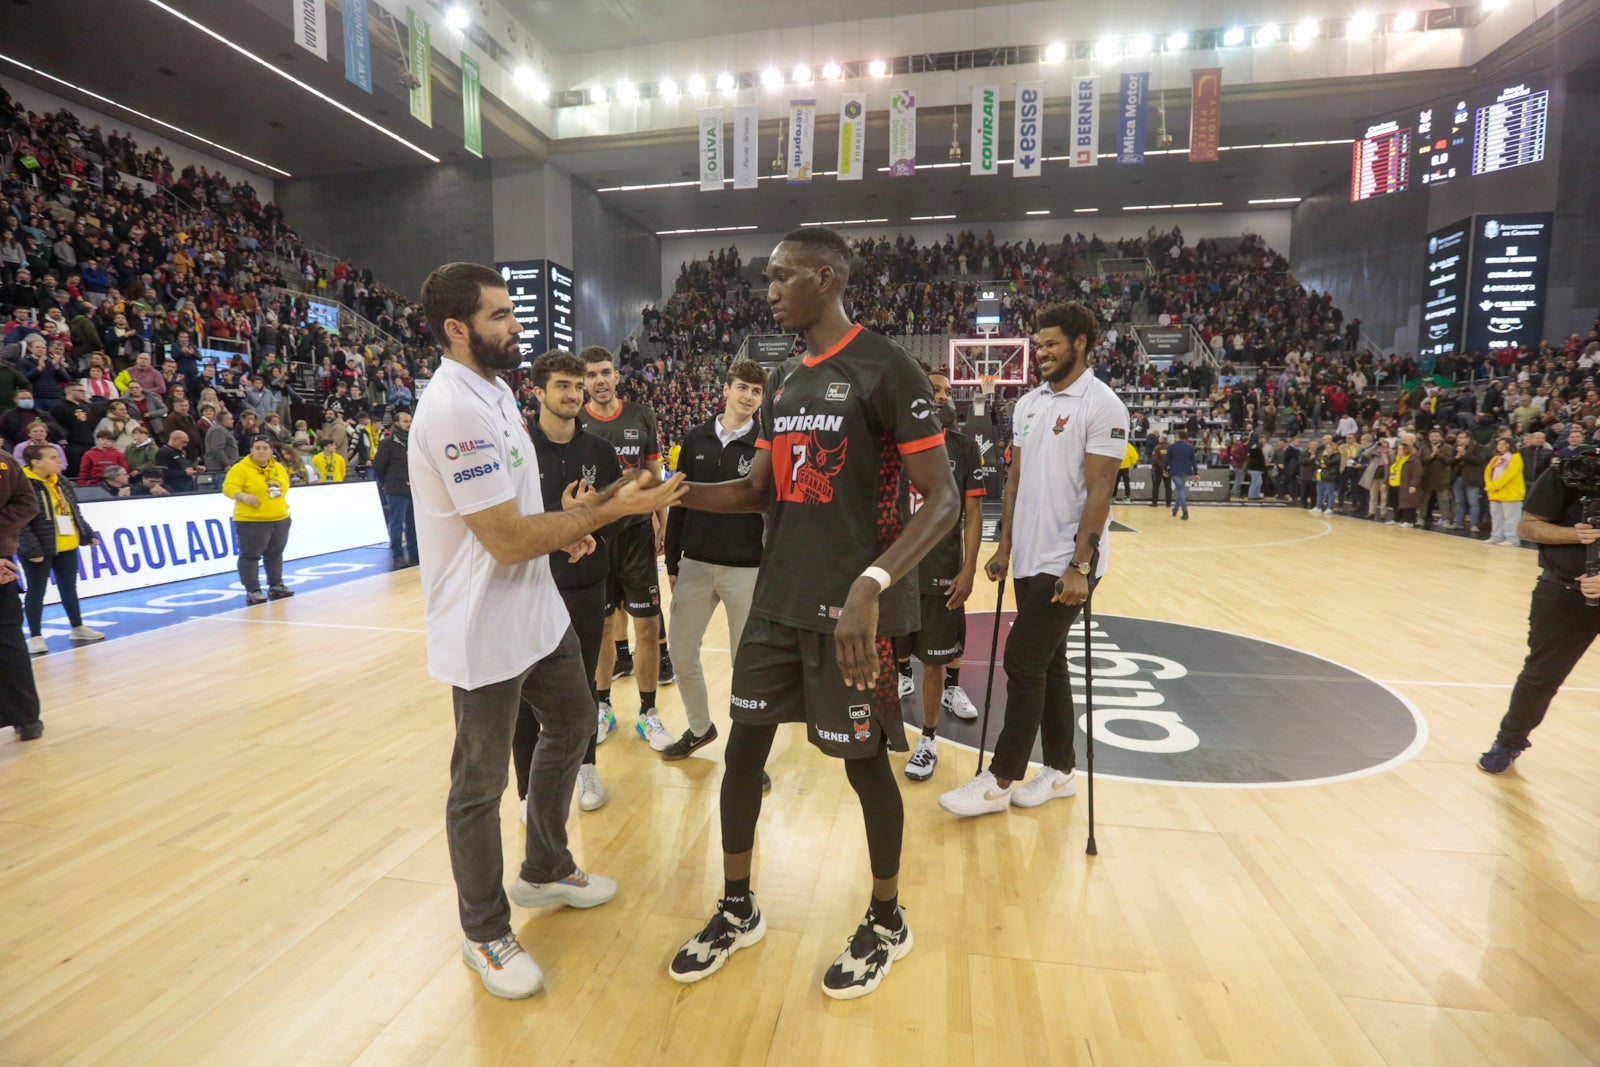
[[1360, 25], [523, 77], [1044, 211], [1268, 34], [667, 88], [597, 95], [1055, 52], [1105, 48], [1405, 22], [456, 17], [831, 71], [1493, 5], [1140, 45], [1307, 31], [1177, 42], [627, 93], [1084, 210], [697, 85], [1233, 38], [771, 78], [802, 75], [725, 82], [877, 68], [286, 76]]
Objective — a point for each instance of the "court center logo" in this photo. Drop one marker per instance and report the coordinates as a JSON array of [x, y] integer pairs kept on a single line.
[[1187, 705]]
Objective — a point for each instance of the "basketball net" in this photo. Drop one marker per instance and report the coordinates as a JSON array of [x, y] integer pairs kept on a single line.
[[986, 383]]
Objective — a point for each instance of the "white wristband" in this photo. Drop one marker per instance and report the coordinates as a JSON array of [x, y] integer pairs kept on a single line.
[[879, 575]]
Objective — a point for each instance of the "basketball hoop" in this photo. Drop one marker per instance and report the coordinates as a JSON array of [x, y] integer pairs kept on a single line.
[[986, 383]]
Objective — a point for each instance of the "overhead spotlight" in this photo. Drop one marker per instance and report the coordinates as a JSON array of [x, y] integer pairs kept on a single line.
[[523, 77], [539, 91], [627, 93], [1140, 45], [877, 68], [1233, 38], [1055, 52], [1177, 42], [697, 85], [1307, 31], [1360, 25], [725, 82], [1105, 48], [831, 71], [1493, 5], [667, 88], [597, 95], [1405, 22], [771, 78], [456, 17], [1268, 34], [802, 75]]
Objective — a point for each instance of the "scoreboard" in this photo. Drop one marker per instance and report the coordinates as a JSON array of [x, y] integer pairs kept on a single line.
[[542, 296], [1380, 162], [1511, 130], [1444, 134], [1444, 293]]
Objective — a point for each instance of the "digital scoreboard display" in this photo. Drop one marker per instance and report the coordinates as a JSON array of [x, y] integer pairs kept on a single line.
[[1444, 141], [559, 307], [1444, 293], [1510, 265], [988, 308], [1511, 128], [1380, 162], [542, 298]]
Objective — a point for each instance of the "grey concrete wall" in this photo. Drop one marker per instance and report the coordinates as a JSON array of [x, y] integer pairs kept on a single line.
[[618, 266]]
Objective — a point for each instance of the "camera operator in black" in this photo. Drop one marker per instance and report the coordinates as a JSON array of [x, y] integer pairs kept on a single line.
[[1561, 623]]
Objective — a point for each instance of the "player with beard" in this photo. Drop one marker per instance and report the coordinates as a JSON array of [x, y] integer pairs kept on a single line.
[[496, 629], [635, 589], [946, 576], [1068, 440], [838, 427]]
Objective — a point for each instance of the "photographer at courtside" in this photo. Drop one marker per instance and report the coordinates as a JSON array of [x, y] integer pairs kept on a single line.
[[1564, 617]]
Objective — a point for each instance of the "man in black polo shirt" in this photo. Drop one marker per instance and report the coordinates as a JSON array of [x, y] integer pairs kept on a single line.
[[635, 589], [713, 558], [838, 426], [572, 463], [1561, 626], [173, 460]]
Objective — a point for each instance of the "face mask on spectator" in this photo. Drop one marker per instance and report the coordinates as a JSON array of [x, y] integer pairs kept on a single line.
[[26, 405]]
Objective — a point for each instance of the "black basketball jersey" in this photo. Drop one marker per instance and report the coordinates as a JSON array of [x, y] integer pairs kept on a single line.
[[972, 471], [632, 432]]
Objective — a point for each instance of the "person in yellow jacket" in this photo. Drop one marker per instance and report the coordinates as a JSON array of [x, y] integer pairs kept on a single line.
[[259, 487], [1503, 480], [49, 545], [1130, 456], [329, 465]]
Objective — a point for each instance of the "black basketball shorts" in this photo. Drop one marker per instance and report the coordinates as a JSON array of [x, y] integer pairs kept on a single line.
[[782, 674], [634, 584], [943, 634]]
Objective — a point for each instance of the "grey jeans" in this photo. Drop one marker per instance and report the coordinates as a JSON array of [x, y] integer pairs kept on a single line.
[[558, 689], [700, 587], [261, 541]]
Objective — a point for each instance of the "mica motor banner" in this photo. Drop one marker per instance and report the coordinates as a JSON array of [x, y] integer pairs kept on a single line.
[[1132, 99]]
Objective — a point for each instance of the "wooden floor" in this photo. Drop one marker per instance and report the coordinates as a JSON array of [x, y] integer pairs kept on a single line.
[[243, 862]]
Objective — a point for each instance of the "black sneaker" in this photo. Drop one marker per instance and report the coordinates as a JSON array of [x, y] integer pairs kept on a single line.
[[667, 675], [705, 953], [623, 668], [865, 961], [1498, 759], [30, 731], [686, 744]]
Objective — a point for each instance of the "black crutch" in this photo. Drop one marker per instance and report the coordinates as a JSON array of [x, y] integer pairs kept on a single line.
[[1088, 680], [994, 651]]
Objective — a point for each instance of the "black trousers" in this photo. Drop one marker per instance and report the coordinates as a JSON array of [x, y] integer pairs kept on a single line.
[[64, 565], [258, 541], [19, 699], [1038, 682], [1561, 627], [586, 604], [1160, 484]]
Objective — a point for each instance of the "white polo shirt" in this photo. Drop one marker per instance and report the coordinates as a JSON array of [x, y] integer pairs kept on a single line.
[[469, 450], [1053, 433]]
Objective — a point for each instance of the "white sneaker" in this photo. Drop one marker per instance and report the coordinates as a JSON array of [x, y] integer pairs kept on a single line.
[[649, 728], [907, 686], [920, 767], [83, 633], [578, 890], [507, 971], [591, 794], [37, 647], [1049, 784], [608, 722], [980, 796], [957, 703]]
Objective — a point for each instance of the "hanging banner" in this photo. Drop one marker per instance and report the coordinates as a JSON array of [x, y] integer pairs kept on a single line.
[[1131, 101], [420, 53], [357, 48], [311, 26], [802, 132], [1085, 122], [746, 134], [902, 133], [1205, 115], [711, 161], [1028, 158], [852, 136], [986, 129], [471, 105]]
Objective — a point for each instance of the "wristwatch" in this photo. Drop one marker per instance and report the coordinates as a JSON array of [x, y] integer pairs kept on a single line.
[[1081, 568]]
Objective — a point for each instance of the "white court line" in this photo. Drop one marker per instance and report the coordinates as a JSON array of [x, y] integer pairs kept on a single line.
[[1326, 530], [1485, 685], [322, 625]]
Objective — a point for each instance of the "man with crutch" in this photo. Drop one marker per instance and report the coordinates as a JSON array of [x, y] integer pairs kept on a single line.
[[1068, 439]]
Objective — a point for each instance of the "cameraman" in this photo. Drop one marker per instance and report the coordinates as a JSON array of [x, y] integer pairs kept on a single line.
[[1561, 626]]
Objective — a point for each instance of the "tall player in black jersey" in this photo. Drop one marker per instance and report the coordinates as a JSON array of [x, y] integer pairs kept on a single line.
[[838, 427]]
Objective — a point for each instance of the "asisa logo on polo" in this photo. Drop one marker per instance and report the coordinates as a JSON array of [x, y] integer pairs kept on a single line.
[[475, 472]]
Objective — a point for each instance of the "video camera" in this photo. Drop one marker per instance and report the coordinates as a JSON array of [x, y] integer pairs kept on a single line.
[[1580, 473]]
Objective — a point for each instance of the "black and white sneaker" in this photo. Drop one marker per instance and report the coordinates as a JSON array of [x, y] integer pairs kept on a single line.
[[919, 768], [623, 668], [865, 961], [705, 953], [667, 675], [683, 746]]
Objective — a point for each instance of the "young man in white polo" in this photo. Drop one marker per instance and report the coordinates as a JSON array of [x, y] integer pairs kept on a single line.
[[497, 630], [1068, 440]]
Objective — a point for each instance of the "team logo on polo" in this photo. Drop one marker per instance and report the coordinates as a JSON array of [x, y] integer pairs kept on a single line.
[[837, 390], [1189, 705], [460, 448], [1061, 424]]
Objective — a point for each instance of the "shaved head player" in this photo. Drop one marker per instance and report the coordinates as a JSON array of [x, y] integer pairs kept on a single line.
[[838, 427]]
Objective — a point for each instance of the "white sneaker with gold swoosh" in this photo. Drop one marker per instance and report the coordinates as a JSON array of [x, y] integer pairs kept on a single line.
[[981, 796]]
